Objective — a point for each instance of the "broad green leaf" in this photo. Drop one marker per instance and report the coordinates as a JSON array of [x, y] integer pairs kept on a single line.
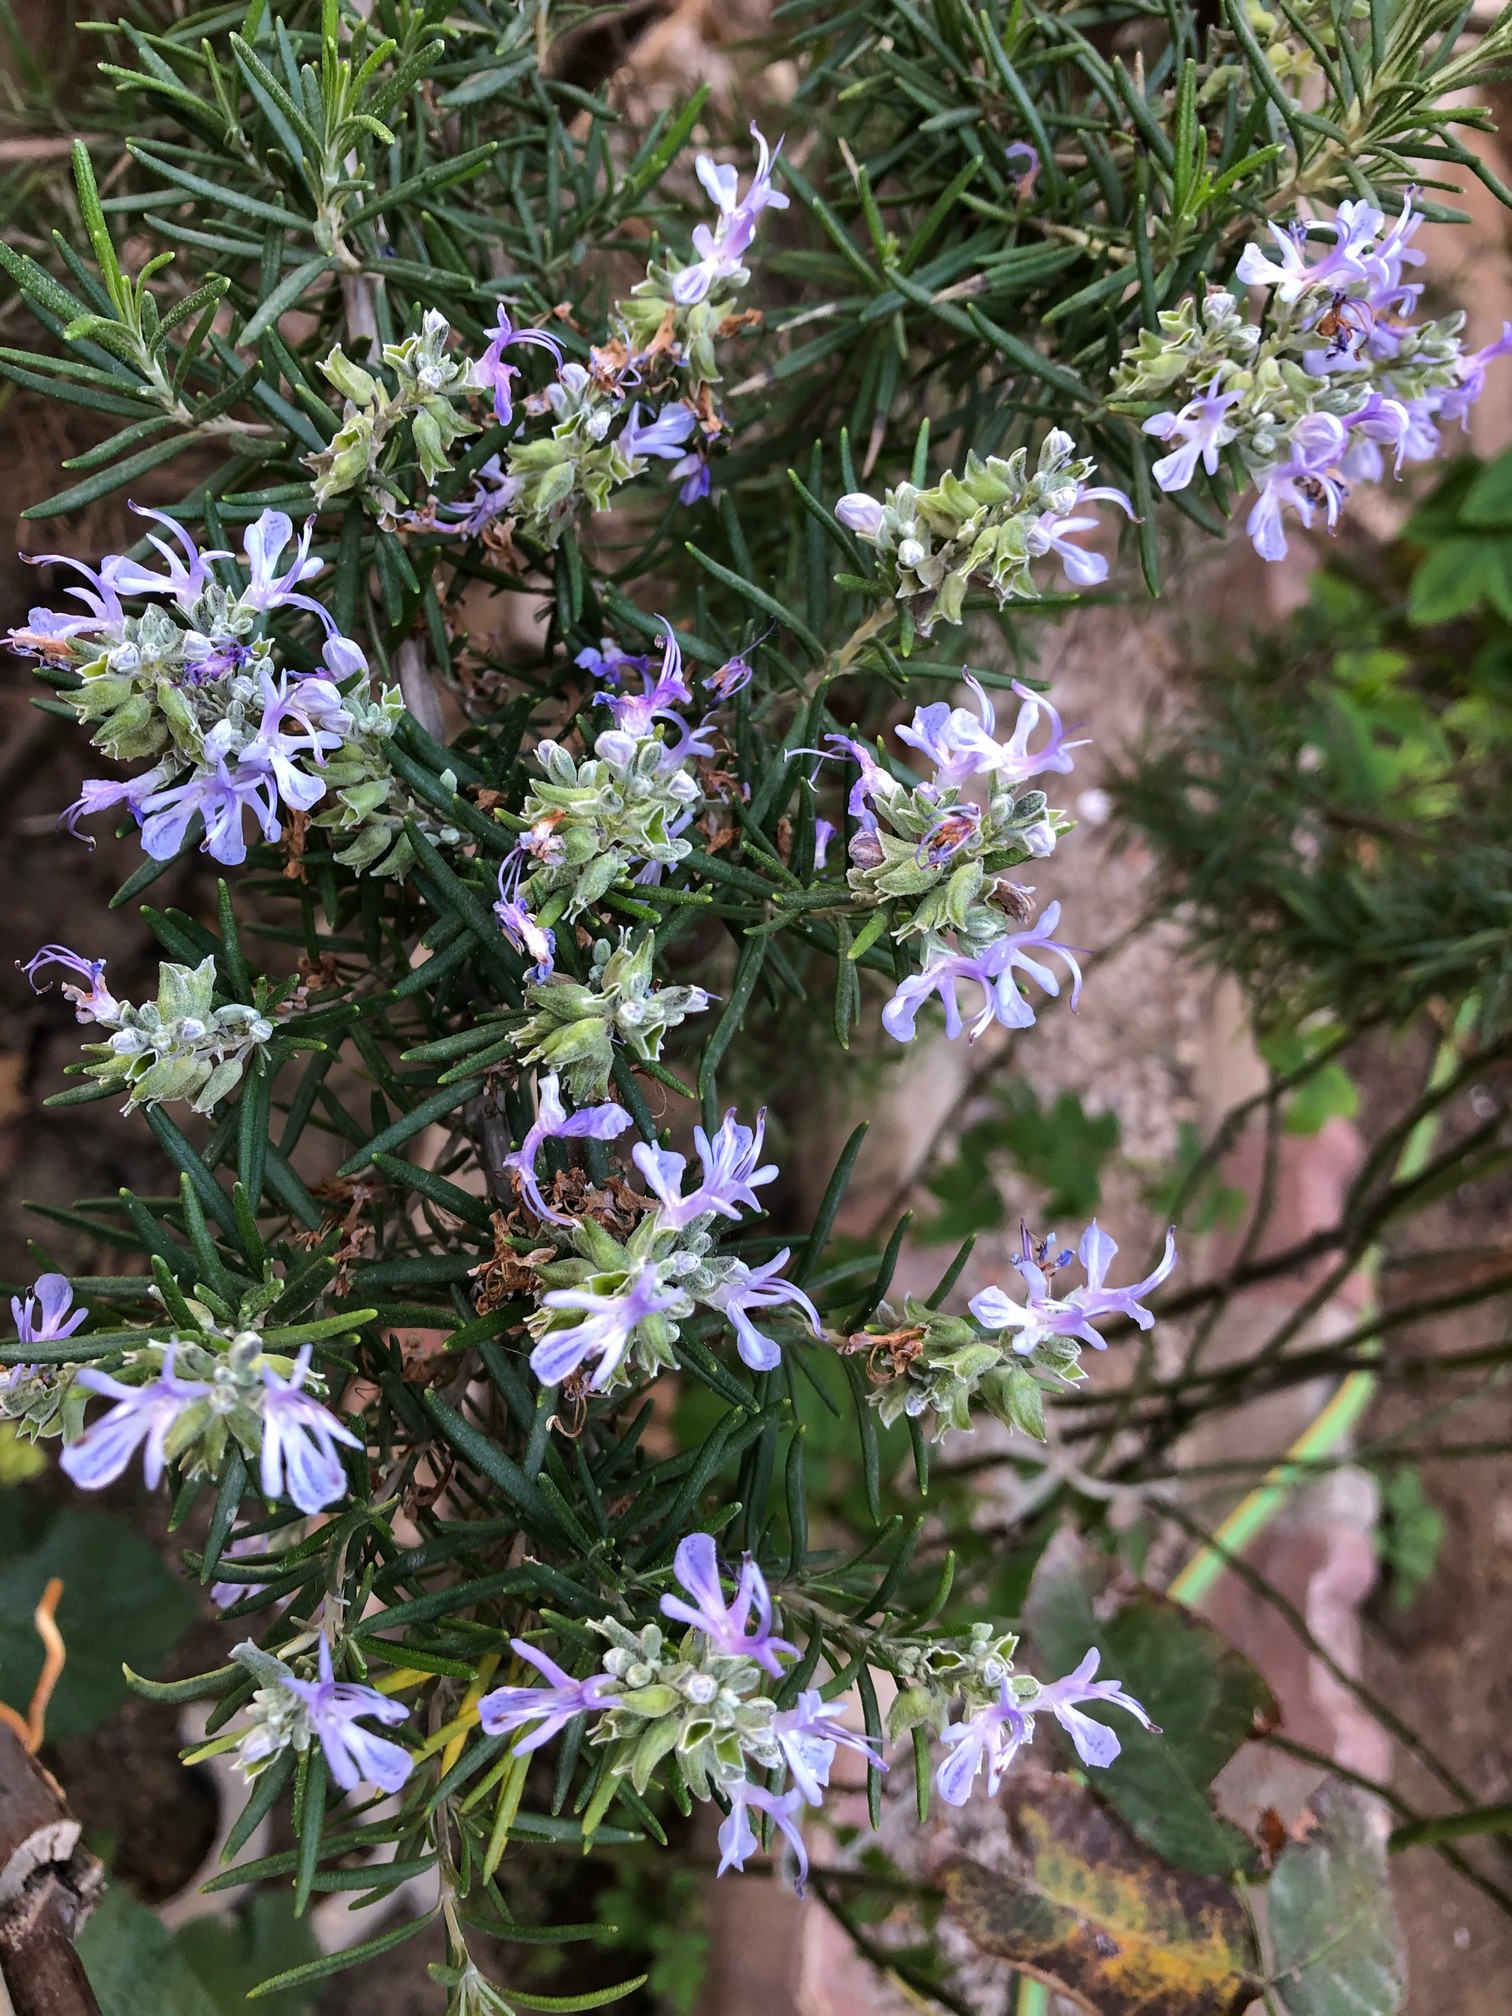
[[1330, 1091], [1334, 1936], [1073, 1899], [119, 1603], [233, 1955], [1489, 500], [1205, 1698], [134, 1966]]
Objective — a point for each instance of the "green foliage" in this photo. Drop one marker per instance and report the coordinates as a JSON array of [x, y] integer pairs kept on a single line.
[[291, 271], [1334, 813], [1060, 1149], [119, 1603], [1409, 1536], [1335, 1947]]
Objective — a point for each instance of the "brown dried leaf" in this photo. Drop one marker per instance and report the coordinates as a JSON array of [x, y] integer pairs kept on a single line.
[[1079, 1903]]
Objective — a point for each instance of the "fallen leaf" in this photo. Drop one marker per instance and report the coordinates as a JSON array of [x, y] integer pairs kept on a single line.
[[1077, 1901], [1334, 1935]]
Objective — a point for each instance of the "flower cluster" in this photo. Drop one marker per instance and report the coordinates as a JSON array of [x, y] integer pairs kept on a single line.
[[646, 394], [180, 1046], [929, 1363], [572, 1026], [593, 821], [988, 527], [182, 1402], [618, 1305], [289, 1712], [703, 1703], [1335, 380], [194, 687], [934, 860]]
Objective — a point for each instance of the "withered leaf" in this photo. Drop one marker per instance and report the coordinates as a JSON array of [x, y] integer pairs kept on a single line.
[[1337, 1948], [1077, 1901]]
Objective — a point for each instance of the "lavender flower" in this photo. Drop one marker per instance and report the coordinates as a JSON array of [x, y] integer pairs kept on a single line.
[[730, 1172], [519, 927], [1204, 429], [292, 1711], [1308, 477], [737, 1837], [263, 543], [861, 513], [992, 969], [184, 582], [609, 1321], [637, 713], [94, 1003], [962, 746], [554, 1123], [493, 493], [42, 1315], [142, 1414], [665, 434], [758, 1288], [1347, 259], [299, 1442], [1096, 1253], [491, 371], [824, 832], [610, 663], [808, 1735], [993, 1735], [1064, 1699], [550, 1707], [722, 249], [696, 1566]]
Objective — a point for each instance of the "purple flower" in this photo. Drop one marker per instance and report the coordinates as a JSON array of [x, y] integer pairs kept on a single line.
[[1203, 429], [610, 663], [1379, 421], [664, 434], [493, 493], [526, 935], [958, 743], [730, 1172], [141, 1414], [1096, 1299], [733, 676], [94, 1003], [1052, 534], [263, 543], [220, 797], [758, 1288], [824, 833], [737, 1837], [608, 1324], [41, 1316], [299, 1442], [808, 1735], [493, 373], [992, 1736], [1020, 151], [1354, 229], [185, 583], [873, 783], [692, 474], [554, 1123], [353, 1755], [1308, 477], [1455, 402], [100, 793], [992, 969], [861, 514], [1063, 1699], [721, 250], [550, 1707], [1039, 1316], [100, 600], [658, 700], [696, 1566]]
